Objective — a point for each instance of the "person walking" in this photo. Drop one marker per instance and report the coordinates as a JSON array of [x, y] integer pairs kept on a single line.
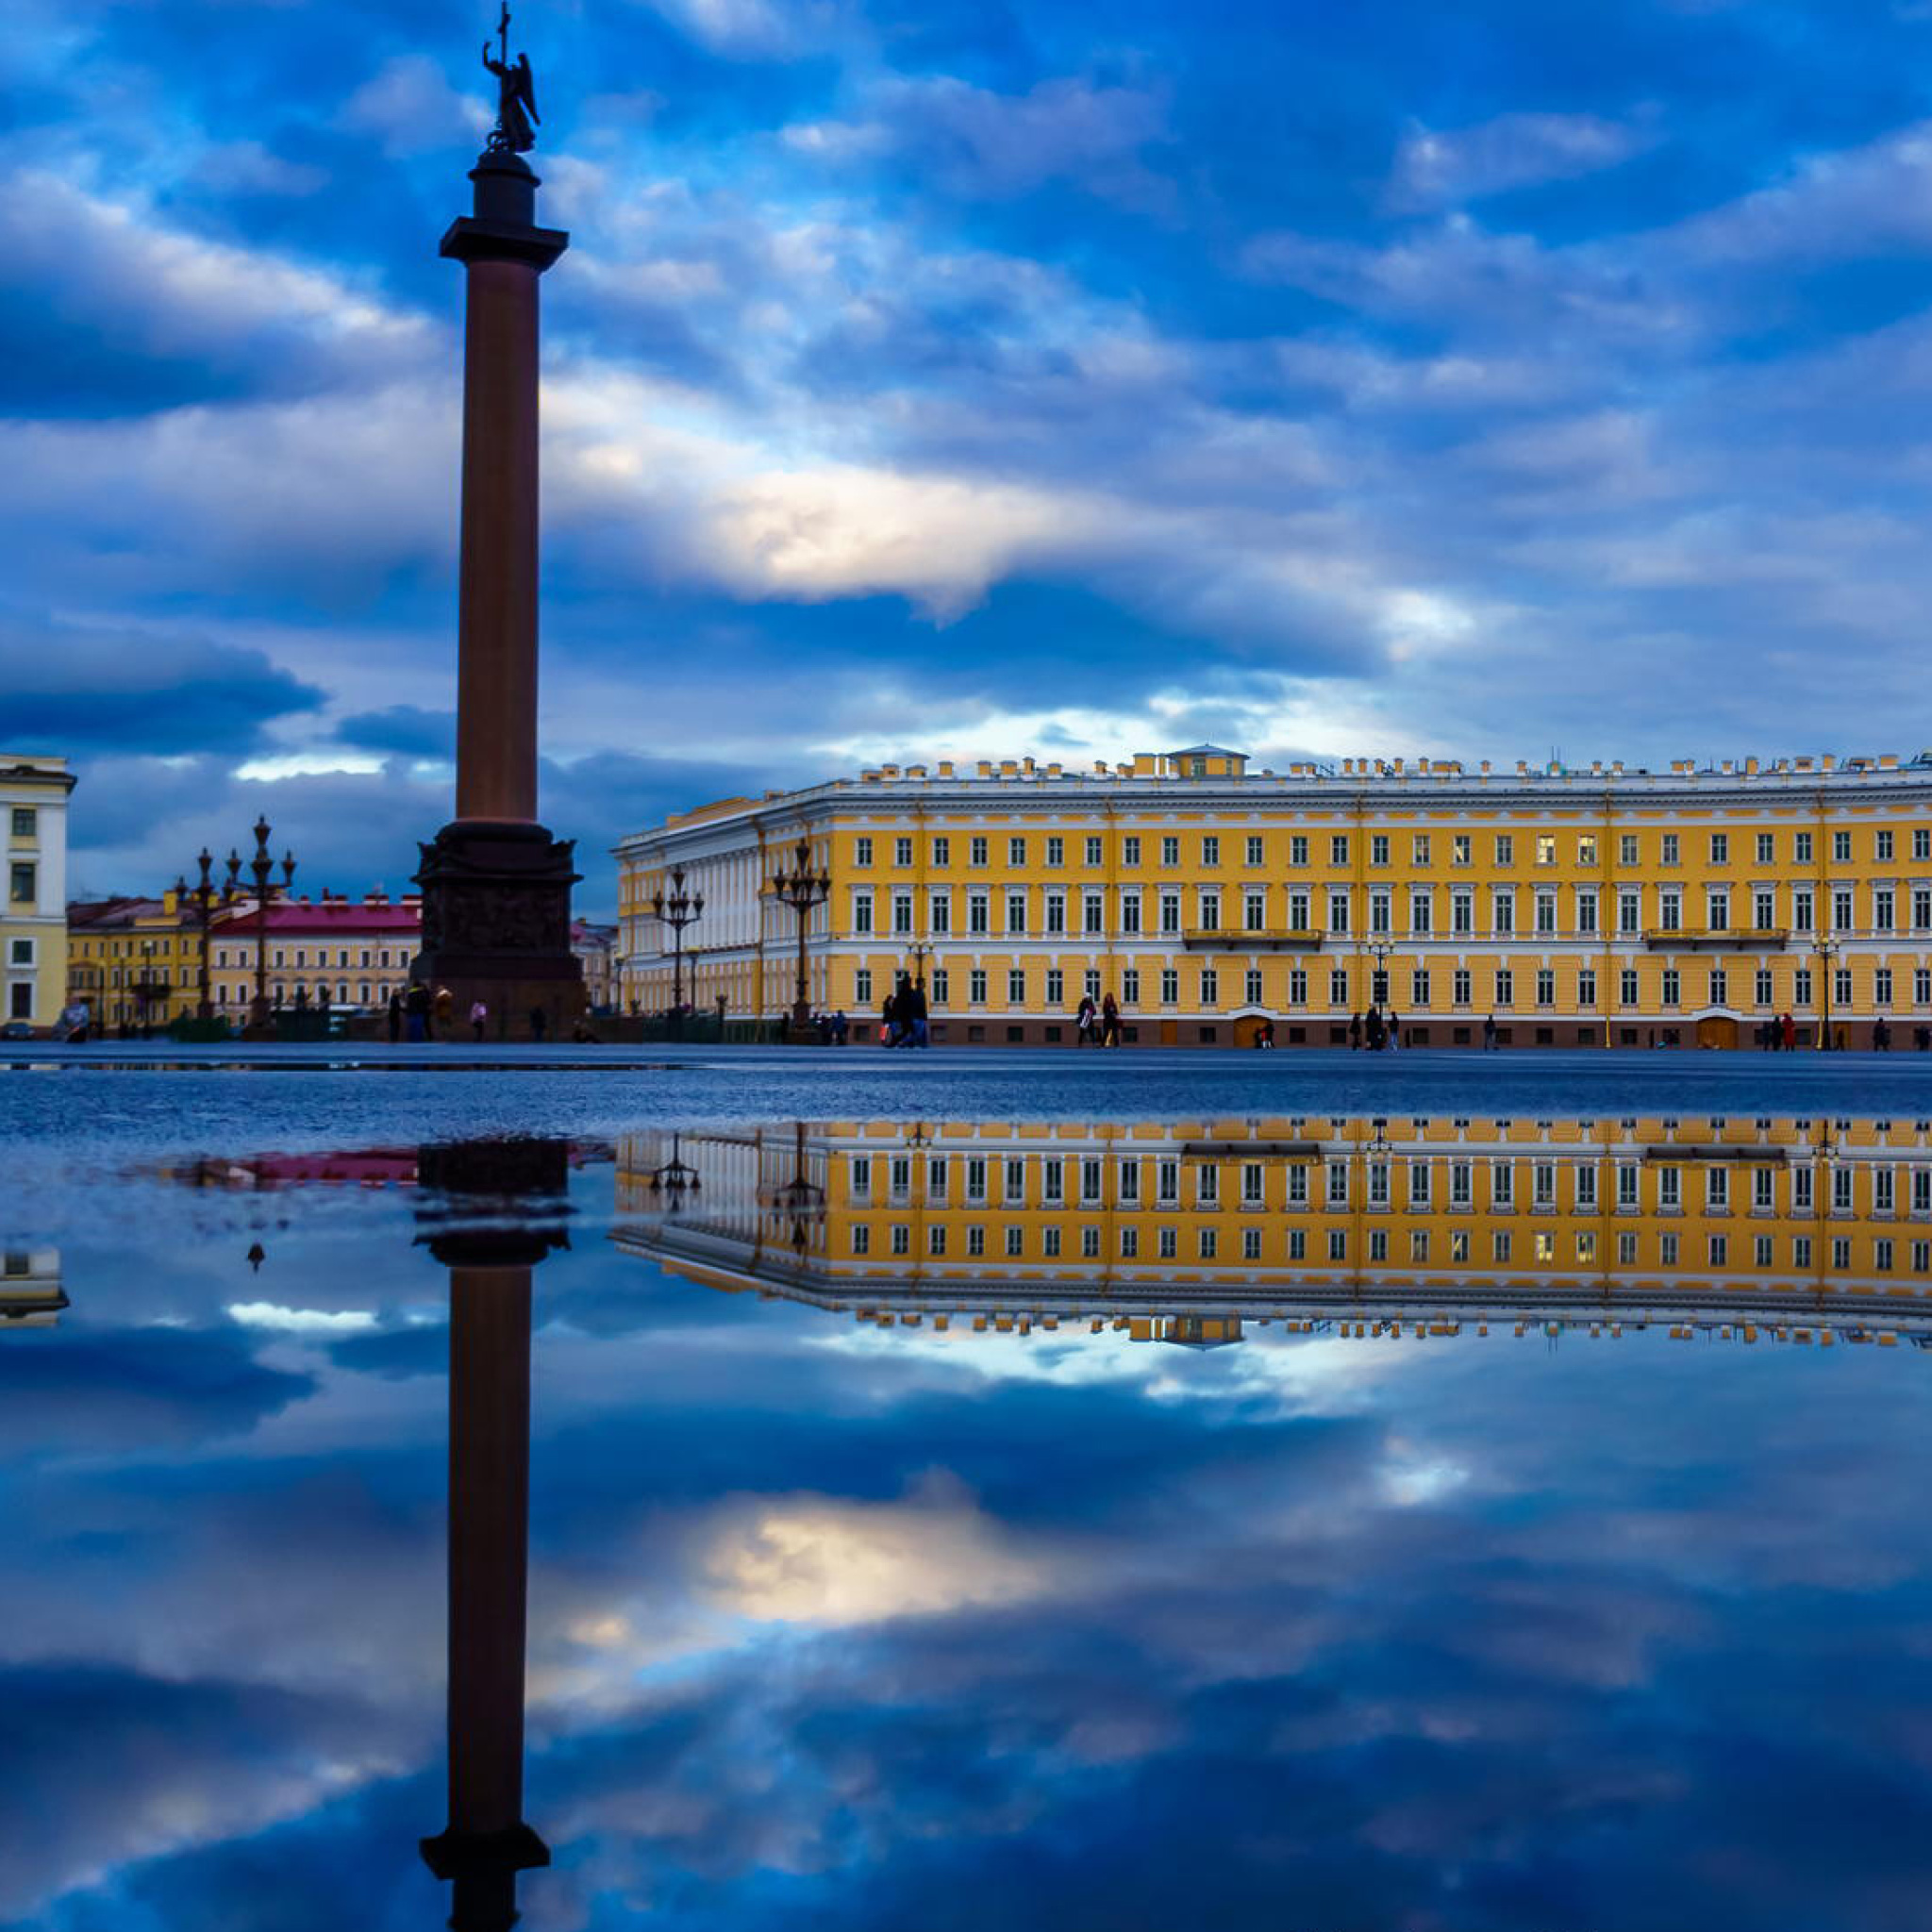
[[1489, 1033], [1881, 1036], [1373, 1036], [416, 1008], [841, 1026], [915, 1000], [1790, 1028], [479, 1015], [1394, 1033], [445, 1012], [1085, 1015], [888, 1021], [1109, 1020], [395, 1015], [1354, 1032]]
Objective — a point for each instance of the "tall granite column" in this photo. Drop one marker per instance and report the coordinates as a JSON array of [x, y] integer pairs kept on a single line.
[[495, 884]]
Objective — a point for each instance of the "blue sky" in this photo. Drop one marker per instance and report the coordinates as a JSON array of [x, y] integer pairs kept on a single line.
[[961, 380]]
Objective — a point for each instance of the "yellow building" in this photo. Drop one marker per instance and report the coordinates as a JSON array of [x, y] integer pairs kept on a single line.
[[1193, 1229], [33, 917], [348, 954], [1605, 906], [139, 961], [133, 962]]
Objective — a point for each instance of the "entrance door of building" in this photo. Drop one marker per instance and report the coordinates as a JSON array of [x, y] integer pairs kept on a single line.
[[1170, 1033], [1717, 1032], [1247, 1028]]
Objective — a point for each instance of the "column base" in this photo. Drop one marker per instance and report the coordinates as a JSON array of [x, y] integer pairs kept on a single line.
[[496, 927]]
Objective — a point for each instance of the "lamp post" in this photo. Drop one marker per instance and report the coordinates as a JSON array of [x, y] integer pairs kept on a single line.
[[678, 910], [262, 868], [1378, 984], [205, 897], [803, 890], [1826, 948]]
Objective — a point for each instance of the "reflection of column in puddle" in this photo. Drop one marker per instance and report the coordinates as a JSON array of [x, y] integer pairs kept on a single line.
[[517, 1188]]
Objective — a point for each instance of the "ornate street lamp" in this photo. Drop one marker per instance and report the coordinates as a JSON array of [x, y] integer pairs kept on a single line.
[[678, 910], [1826, 948], [674, 1177], [262, 868], [1378, 985], [803, 890], [205, 897]]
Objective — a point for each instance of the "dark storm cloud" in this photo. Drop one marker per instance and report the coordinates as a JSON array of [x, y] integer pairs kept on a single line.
[[97, 690]]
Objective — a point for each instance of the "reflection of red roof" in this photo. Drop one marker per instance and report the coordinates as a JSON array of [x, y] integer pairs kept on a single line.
[[346, 917], [357, 1167]]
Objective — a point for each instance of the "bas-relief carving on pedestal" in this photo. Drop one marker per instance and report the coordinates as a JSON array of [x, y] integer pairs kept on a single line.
[[497, 898]]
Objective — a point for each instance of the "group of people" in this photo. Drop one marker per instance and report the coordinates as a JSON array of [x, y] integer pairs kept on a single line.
[[834, 1030], [1377, 1032], [421, 1015], [903, 1020], [1097, 1026]]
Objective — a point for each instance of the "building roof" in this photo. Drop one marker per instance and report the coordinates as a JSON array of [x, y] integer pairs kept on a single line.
[[344, 916], [1206, 751]]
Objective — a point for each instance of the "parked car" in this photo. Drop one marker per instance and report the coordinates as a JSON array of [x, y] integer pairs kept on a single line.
[[18, 1029]]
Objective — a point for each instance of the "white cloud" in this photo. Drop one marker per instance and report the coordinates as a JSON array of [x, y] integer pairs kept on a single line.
[[408, 105], [301, 1321], [831, 1562], [1438, 166]]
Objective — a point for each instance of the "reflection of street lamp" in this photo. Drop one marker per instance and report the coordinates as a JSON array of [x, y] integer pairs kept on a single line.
[[678, 910], [801, 889], [675, 1176], [798, 1202], [1826, 948]]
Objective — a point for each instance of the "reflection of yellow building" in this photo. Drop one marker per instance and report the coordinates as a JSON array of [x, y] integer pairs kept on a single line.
[[1605, 906], [32, 1295], [1432, 1220]]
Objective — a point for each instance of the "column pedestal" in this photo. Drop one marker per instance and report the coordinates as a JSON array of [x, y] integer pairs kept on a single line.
[[496, 925]]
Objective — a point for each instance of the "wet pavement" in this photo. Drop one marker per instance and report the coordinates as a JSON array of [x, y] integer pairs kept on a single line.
[[1006, 1492]]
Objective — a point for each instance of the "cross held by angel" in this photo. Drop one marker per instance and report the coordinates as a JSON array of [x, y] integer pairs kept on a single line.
[[517, 118]]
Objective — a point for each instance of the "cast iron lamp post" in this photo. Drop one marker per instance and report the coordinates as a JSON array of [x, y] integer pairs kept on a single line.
[[205, 897], [1827, 947], [1379, 982], [678, 910], [261, 867], [803, 890]]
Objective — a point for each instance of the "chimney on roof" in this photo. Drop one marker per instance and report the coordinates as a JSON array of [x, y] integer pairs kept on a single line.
[[946, 768]]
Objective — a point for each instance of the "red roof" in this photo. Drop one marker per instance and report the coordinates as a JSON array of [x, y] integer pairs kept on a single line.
[[344, 917]]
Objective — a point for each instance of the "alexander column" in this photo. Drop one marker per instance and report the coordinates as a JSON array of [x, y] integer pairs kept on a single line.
[[495, 884]]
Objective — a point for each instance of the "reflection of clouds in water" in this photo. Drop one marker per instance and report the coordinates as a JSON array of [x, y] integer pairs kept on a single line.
[[1316, 1374], [824, 1560], [1460, 1635]]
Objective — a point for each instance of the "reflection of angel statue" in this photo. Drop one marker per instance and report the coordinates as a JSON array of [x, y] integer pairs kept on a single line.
[[516, 95]]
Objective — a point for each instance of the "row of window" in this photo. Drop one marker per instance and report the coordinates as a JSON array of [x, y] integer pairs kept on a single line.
[[1542, 848], [1456, 1246], [1713, 986], [1213, 911], [1758, 1186], [298, 957]]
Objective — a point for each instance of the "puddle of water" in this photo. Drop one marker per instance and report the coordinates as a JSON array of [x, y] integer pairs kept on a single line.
[[1448, 1520]]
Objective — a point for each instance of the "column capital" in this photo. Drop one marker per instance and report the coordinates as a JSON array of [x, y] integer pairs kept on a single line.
[[474, 238]]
